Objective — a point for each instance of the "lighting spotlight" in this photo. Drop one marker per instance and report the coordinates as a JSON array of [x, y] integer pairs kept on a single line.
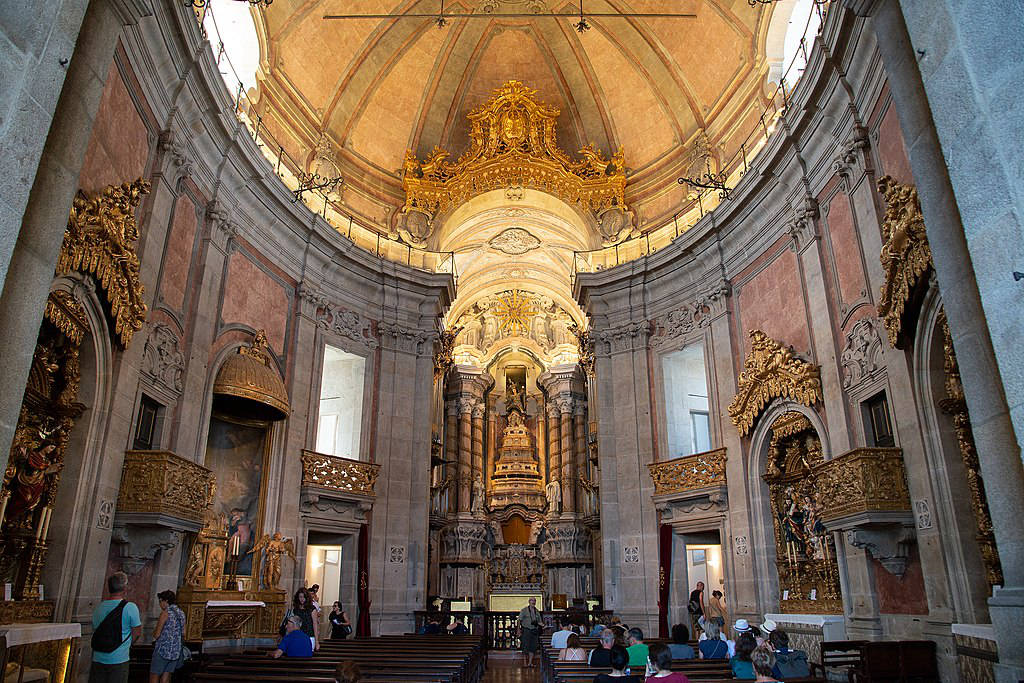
[[582, 25]]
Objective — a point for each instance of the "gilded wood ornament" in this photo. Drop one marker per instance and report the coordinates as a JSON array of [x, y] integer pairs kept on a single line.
[[689, 473], [955, 406], [864, 480], [251, 375], [160, 482], [513, 145], [906, 256], [444, 352], [339, 474], [772, 370], [100, 240]]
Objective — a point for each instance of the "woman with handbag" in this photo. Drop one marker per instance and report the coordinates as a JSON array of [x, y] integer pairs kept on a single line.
[[341, 627], [167, 645]]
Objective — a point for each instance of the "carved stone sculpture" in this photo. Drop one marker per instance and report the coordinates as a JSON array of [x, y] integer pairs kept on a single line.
[[272, 547]]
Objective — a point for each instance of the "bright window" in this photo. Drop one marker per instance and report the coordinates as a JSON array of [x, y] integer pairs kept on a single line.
[[341, 403], [686, 401]]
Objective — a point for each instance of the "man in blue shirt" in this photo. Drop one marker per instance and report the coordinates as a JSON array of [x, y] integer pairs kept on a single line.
[[295, 643], [112, 667]]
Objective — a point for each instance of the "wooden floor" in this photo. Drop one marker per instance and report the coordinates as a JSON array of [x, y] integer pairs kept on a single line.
[[510, 670]]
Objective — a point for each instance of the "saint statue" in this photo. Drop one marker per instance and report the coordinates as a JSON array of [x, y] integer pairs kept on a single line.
[[194, 572], [478, 495], [273, 548], [553, 492], [29, 484]]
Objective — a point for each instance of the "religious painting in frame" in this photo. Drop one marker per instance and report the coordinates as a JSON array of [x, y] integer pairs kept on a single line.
[[237, 451]]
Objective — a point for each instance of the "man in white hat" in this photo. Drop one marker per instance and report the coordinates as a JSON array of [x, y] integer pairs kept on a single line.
[[766, 628]]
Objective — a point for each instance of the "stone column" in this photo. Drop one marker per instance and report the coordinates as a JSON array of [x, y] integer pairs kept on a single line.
[[568, 473], [465, 452], [554, 442], [999, 449], [579, 440], [492, 444], [451, 450], [478, 441], [45, 207]]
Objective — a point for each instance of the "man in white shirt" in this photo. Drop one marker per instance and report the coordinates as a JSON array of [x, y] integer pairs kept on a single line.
[[560, 638]]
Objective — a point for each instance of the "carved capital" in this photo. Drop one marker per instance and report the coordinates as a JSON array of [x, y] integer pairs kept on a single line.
[[405, 340], [179, 160], [851, 154], [219, 218], [861, 357], [803, 227], [626, 338], [889, 544], [340, 321], [162, 359]]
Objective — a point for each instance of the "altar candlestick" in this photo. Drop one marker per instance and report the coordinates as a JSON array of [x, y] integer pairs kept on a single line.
[[3, 505], [39, 527], [235, 546], [47, 516]]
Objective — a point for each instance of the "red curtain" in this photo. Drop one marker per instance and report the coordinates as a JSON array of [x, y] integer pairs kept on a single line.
[[363, 621], [664, 576]]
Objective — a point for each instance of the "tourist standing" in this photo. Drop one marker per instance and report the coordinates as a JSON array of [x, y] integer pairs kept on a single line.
[[530, 623], [167, 639], [116, 625], [302, 607], [716, 610], [341, 627], [696, 606]]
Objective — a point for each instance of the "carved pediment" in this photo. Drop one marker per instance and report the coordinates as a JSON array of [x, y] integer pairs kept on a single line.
[[772, 370]]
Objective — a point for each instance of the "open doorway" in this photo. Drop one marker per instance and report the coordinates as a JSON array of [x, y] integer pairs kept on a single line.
[[323, 567], [696, 557]]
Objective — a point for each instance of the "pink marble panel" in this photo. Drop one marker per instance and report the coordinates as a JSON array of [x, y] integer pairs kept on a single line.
[[178, 257], [119, 146], [773, 301], [902, 595], [253, 298], [891, 150], [845, 249]]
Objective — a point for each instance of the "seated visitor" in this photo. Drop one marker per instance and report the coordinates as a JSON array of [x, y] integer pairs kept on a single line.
[[573, 650], [432, 627], [766, 630], [295, 643], [560, 637], [763, 660], [713, 644], [596, 631], [659, 665], [788, 663], [601, 655], [348, 672], [679, 647], [740, 662], [457, 628], [637, 649], [619, 666]]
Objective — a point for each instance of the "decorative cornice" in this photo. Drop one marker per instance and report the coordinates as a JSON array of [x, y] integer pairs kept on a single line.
[[852, 152], [219, 218], [632, 336], [689, 317], [175, 151], [771, 370], [803, 227], [162, 359], [340, 321], [397, 338], [861, 355]]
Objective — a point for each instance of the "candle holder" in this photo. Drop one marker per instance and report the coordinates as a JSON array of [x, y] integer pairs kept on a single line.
[[232, 581]]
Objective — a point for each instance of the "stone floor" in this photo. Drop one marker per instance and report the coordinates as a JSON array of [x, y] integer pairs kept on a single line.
[[504, 669]]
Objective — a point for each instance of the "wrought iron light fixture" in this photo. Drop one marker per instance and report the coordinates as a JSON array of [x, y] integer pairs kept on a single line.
[[582, 26], [709, 181], [441, 22], [312, 182]]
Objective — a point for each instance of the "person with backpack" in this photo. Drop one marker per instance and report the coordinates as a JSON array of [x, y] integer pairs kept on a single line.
[[116, 625]]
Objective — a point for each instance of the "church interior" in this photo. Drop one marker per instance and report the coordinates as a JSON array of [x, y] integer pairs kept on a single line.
[[448, 306]]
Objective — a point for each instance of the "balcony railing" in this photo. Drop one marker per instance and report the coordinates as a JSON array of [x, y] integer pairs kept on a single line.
[[863, 482], [338, 474], [162, 483], [689, 473]]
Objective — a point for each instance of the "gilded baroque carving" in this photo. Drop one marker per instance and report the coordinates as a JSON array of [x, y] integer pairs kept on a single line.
[[100, 240], [339, 474], [444, 352], [67, 315], [162, 483], [771, 371], [861, 354], [863, 480], [270, 549], [955, 406], [805, 554], [515, 313], [585, 348], [689, 473], [906, 256], [514, 241], [513, 144], [162, 358]]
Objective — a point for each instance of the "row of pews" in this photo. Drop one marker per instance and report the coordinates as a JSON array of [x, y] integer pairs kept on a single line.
[[697, 670], [383, 659]]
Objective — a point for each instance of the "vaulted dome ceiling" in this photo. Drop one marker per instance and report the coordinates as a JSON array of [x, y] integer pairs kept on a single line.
[[377, 87]]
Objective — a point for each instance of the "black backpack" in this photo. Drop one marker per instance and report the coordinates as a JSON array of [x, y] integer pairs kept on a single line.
[[107, 636]]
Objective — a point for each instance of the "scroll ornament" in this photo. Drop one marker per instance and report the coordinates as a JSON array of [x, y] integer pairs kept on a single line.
[[772, 370], [100, 240], [906, 256]]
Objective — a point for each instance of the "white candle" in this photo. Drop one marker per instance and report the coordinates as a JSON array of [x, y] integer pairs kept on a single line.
[[3, 504]]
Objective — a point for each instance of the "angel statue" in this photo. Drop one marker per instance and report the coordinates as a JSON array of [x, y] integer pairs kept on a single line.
[[273, 548]]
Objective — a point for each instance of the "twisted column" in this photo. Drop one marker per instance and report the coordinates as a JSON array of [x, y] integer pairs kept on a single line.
[[568, 473], [465, 452]]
